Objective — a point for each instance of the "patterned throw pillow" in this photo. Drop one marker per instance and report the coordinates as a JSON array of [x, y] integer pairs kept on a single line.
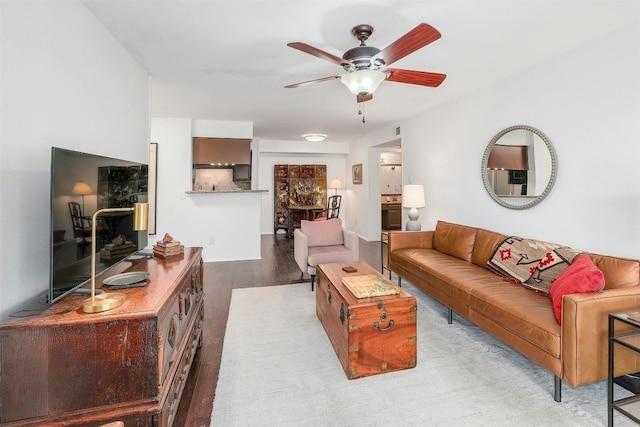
[[550, 267], [531, 263]]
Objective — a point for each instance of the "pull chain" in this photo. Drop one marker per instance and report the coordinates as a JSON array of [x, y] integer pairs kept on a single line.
[[361, 111]]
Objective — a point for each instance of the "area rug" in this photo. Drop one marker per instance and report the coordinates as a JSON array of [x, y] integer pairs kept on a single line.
[[279, 369]]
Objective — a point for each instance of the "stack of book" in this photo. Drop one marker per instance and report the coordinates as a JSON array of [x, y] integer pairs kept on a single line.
[[114, 251], [168, 249]]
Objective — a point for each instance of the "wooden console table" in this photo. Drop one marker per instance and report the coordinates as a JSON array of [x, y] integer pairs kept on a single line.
[[65, 367]]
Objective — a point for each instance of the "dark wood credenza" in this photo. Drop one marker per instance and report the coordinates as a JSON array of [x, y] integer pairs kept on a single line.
[[65, 367]]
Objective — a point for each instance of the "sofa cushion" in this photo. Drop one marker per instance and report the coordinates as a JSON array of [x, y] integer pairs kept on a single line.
[[485, 245], [618, 272], [454, 239], [323, 233], [580, 277], [526, 314]]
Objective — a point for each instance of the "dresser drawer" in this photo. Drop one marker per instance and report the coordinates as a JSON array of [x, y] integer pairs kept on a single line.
[[170, 406], [176, 318]]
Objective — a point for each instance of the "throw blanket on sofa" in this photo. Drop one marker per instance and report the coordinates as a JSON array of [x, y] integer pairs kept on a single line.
[[531, 263]]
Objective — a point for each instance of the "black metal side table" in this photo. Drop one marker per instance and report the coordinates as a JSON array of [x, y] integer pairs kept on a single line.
[[624, 334], [384, 240]]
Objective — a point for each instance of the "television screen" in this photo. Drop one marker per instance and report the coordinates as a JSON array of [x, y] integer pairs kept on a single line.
[[81, 184]]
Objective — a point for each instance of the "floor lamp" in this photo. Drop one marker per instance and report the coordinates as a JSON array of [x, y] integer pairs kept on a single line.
[[413, 198], [336, 184], [82, 188], [108, 300]]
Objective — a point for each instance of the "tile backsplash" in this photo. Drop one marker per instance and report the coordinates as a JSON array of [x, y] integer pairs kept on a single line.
[[222, 179]]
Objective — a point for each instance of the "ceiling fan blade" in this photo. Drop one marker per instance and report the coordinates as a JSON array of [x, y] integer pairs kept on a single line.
[[317, 52], [308, 82], [421, 78], [415, 39], [364, 98]]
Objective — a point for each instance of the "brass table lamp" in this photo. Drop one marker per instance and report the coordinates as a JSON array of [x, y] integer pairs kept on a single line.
[[108, 300]]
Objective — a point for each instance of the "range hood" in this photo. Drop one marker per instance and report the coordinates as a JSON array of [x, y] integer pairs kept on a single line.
[[220, 152]]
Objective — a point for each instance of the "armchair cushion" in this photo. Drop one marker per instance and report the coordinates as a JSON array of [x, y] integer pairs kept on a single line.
[[330, 254], [323, 233]]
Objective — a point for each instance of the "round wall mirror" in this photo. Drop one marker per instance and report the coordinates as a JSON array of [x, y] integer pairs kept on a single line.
[[519, 167]]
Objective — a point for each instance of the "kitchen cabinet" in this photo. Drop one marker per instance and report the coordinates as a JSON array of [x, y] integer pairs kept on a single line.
[[391, 216], [221, 151]]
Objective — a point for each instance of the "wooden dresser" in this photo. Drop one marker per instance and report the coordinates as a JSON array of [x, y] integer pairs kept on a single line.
[[65, 367]]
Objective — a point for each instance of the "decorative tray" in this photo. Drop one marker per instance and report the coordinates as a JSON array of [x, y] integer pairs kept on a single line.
[[124, 279]]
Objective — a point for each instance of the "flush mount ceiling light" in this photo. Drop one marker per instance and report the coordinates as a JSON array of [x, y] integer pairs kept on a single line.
[[314, 137]]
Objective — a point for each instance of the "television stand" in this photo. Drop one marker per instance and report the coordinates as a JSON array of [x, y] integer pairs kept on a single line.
[[130, 364]]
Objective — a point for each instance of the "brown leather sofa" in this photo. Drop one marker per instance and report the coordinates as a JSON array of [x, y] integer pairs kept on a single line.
[[450, 264]]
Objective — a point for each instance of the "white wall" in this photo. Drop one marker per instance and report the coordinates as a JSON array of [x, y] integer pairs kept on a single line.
[[65, 82], [226, 226], [587, 102], [363, 200], [390, 179], [299, 153]]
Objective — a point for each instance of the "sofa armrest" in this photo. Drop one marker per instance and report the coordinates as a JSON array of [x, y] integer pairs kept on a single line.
[[351, 241], [301, 249], [585, 334], [410, 239]]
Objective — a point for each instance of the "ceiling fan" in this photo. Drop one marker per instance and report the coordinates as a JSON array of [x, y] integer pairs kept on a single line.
[[366, 66]]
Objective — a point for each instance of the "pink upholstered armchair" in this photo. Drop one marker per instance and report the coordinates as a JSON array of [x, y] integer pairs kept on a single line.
[[322, 242]]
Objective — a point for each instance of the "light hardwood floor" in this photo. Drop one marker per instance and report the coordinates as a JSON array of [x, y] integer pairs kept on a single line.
[[277, 267]]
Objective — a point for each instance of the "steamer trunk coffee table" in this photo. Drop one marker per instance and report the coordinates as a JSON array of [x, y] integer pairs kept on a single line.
[[370, 335]]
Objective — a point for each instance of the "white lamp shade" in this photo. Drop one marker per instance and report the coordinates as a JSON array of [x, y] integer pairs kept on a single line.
[[363, 82], [336, 184], [413, 196]]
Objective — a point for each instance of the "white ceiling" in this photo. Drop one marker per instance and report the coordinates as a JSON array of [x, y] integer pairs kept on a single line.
[[229, 60]]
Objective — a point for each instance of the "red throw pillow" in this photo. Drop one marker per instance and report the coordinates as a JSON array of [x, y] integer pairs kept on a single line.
[[580, 277]]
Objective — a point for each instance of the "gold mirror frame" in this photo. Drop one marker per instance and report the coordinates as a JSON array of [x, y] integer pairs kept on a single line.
[[485, 161]]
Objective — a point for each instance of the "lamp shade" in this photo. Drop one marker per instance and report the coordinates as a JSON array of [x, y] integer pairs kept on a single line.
[[336, 184], [81, 188], [140, 216], [413, 196], [508, 157], [363, 82]]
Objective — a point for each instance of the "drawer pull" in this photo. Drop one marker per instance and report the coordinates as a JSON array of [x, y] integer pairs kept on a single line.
[[173, 332], [187, 305]]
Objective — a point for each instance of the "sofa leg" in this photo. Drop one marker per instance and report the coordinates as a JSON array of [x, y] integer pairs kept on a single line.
[[449, 316], [313, 280], [557, 389]]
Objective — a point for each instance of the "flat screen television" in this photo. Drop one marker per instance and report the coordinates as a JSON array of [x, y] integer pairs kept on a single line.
[[82, 183]]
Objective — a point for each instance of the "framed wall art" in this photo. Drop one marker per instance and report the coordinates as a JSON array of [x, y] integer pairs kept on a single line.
[[356, 172], [152, 187]]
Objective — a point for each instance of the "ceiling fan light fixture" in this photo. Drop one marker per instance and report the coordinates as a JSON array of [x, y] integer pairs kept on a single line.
[[363, 82], [314, 137]]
